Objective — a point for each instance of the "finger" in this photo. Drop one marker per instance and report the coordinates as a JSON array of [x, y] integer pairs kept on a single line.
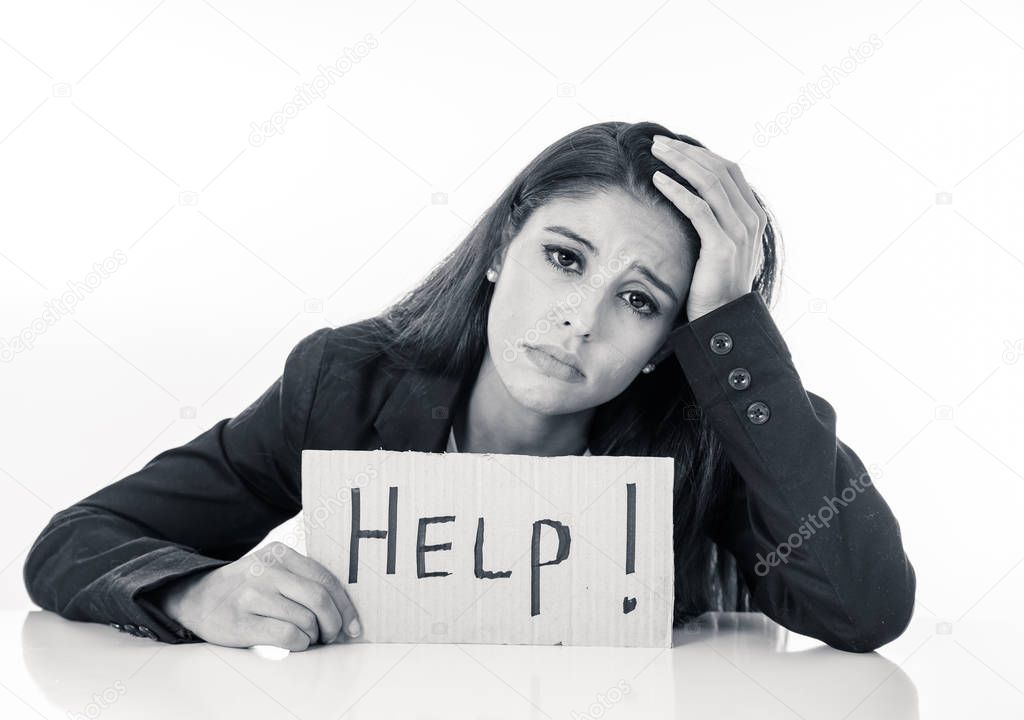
[[712, 182], [314, 597], [694, 207], [272, 631], [275, 605], [748, 194], [759, 220], [749, 211], [749, 208], [311, 569], [762, 218], [740, 193]]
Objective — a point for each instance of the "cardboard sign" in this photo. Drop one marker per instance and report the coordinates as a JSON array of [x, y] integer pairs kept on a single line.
[[494, 548]]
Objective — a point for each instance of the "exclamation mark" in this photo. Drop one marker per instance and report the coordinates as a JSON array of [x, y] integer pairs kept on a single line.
[[629, 603]]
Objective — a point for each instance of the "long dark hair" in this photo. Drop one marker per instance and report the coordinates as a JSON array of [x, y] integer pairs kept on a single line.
[[440, 326]]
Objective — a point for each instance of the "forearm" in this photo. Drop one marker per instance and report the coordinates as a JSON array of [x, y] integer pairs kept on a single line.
[[832, 569], [90, 566]]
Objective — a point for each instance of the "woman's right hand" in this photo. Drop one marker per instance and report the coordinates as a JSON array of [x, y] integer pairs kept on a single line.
[[275, 596]]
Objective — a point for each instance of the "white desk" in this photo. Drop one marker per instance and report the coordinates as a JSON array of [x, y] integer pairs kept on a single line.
[[723, 665]]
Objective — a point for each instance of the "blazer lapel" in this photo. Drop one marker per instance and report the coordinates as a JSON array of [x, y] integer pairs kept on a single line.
[[419, 412]]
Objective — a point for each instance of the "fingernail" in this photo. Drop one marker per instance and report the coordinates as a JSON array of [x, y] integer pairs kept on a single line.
[[354, 629]]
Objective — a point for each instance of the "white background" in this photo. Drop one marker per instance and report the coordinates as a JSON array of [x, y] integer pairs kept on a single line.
[[126, 127]]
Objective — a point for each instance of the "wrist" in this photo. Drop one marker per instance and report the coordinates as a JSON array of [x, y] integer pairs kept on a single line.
[[172, 596]]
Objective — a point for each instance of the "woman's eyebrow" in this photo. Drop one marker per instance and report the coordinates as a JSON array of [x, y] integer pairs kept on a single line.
[[642, 269], [563, 230], [656, 281]]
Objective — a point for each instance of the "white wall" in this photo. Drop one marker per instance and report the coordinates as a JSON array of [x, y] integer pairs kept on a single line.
[[127, 128]]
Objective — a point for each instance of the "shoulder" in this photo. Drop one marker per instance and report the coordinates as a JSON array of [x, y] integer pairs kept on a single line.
[[342, 348], [355, 350], [340, 377]]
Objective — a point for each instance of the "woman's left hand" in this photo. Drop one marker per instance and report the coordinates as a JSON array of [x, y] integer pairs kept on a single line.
[[726, 215]]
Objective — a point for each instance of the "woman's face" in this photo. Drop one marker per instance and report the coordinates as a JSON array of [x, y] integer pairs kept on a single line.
[[555, 289]]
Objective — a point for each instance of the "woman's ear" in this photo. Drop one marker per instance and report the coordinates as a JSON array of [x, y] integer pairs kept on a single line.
[[499, 259]]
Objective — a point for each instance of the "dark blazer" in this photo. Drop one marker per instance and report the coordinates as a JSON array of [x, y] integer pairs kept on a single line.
[[840, 575]]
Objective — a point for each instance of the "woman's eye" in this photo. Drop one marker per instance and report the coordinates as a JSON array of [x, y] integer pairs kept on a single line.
[[557, 257], [652, 312]]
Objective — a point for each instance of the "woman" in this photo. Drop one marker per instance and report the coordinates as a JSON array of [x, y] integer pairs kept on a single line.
[[612, 301]]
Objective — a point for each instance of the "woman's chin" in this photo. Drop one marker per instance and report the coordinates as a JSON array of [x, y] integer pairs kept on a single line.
[[546, 395]]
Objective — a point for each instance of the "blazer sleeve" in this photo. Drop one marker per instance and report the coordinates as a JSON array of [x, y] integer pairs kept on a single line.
[[194, 507], [817, 545]]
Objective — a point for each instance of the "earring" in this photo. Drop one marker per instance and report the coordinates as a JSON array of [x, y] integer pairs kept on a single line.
[[492, 274], [649, 367]]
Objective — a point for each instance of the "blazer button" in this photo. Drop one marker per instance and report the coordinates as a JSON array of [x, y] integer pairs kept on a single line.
[[147, 632], [739, 378], [131, 628], [721, 343], [758, 413], [116, 626]]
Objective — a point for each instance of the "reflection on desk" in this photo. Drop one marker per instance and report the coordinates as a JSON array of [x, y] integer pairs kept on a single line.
[[723, 664]]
